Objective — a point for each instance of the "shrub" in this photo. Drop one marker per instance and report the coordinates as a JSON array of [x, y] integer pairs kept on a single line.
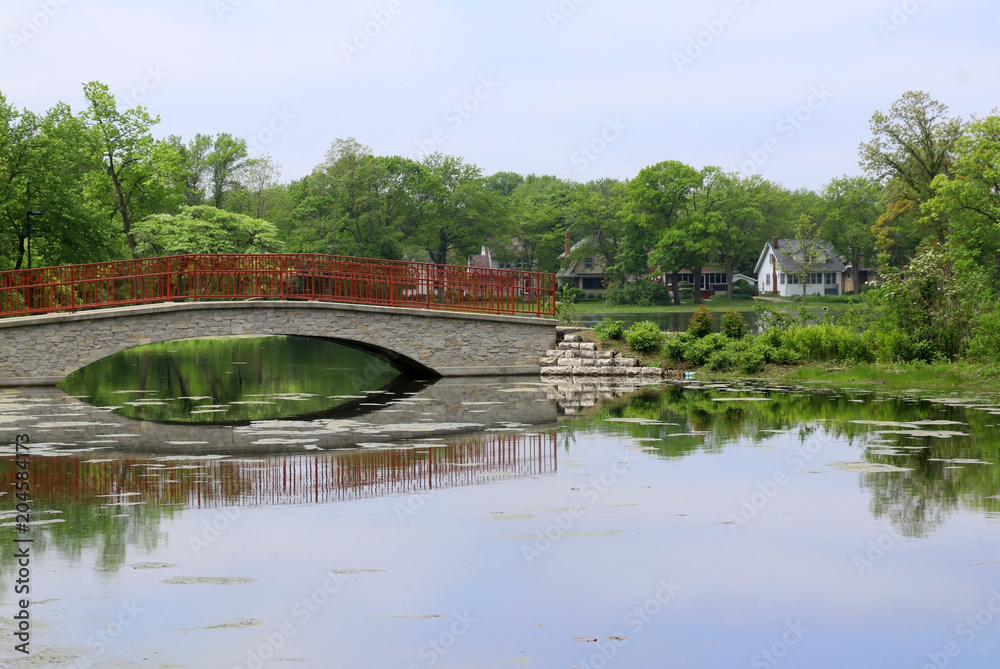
[[784, 356], [827, 342], [675, 345], [734, 325], [643, 293], [744, 288], [753, 360], [700, 350], [702, 323], [644, 336], [720, 361], [610, 330]]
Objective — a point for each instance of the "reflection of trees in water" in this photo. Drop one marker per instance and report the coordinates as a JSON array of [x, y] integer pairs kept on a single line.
[[915, 502], [88, 494]]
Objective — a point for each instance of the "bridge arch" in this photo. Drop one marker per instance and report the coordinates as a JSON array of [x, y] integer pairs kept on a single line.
[[42, 350]]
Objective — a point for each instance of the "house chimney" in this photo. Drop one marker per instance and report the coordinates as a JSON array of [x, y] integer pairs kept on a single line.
[[569, 243], [774, 242]]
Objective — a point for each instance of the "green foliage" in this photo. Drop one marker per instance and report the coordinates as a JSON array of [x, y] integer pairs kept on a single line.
[[566, 305], [641, 293], [734, 325], [702, 323], [204, 229], [675, 345], [644, 337], [699, 351], [744, 288], [827, 342], [753, 360], [609, 330], [784, 356]]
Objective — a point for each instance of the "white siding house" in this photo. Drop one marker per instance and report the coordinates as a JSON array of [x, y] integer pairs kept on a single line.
[[779, 272]]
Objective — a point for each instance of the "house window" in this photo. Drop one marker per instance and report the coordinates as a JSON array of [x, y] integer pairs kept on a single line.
[[831, 279], [769, 279], [686, 276], [781, 278], [793, 278], [593, 284], [588, 263]]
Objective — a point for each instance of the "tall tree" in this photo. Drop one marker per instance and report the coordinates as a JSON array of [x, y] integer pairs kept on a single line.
[[852, 206], [911, 145], [740, 232], [809, 253], [660, 195], [140, 175], [224, 164]]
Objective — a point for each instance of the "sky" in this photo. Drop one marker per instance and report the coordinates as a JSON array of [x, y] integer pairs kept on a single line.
[[582, 89]]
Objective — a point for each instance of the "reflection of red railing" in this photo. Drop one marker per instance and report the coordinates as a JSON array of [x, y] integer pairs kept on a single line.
[[286, 479], [301, 276]]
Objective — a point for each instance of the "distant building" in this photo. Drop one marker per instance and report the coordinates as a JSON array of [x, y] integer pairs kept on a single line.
[[586, 273], [779, 271]]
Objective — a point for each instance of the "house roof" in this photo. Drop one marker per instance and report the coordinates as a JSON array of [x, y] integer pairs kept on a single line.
[[788, 253]]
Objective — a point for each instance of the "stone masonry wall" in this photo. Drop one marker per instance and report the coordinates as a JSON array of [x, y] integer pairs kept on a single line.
[[44, 349]]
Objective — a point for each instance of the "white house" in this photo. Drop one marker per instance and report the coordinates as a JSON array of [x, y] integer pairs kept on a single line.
[[779, 271]]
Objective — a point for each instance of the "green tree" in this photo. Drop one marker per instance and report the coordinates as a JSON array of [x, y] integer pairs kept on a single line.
[[597, 213], [911, 145], [140, 176], [740, 232], [455, 213], [204, 229], [809, 253], [852, 206], [224, 163], [660, 194]]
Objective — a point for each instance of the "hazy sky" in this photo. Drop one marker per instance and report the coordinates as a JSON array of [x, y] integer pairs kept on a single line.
[[579, 88]]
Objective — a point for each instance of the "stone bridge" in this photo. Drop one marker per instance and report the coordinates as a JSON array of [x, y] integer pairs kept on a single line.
[[44, 349]]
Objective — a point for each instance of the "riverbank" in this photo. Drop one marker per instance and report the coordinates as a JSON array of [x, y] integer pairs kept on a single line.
[[944, 376]]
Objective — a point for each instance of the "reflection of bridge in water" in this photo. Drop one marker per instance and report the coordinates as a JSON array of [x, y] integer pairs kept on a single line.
[[313, 478]]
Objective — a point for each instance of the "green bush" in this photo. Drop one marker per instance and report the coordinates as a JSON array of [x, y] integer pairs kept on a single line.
[[608, 330], [721, 361], [784, 356], [644, 336], [699, 351], [734, 325], [753, 360], [702, 323], [827, 342], [744, 288], [642, 293], [675, 345]]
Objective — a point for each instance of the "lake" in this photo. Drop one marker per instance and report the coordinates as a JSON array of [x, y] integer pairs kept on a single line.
[[499, 522]]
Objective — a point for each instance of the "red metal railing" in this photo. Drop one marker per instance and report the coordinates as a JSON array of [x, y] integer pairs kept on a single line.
[[297, 277]]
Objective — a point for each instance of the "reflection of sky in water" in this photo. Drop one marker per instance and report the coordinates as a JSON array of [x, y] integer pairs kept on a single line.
[[462, 550]]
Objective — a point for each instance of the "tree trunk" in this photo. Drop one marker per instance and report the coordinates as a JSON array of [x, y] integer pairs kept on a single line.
[[122, 207], [729, 279], [696, 278], [805, 287], [674, 280], [20, 251]]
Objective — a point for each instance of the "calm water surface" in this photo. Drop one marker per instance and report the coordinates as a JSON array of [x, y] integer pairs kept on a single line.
[[518, 524]]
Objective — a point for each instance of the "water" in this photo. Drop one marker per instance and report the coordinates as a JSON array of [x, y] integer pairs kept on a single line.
[[499, 522]]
